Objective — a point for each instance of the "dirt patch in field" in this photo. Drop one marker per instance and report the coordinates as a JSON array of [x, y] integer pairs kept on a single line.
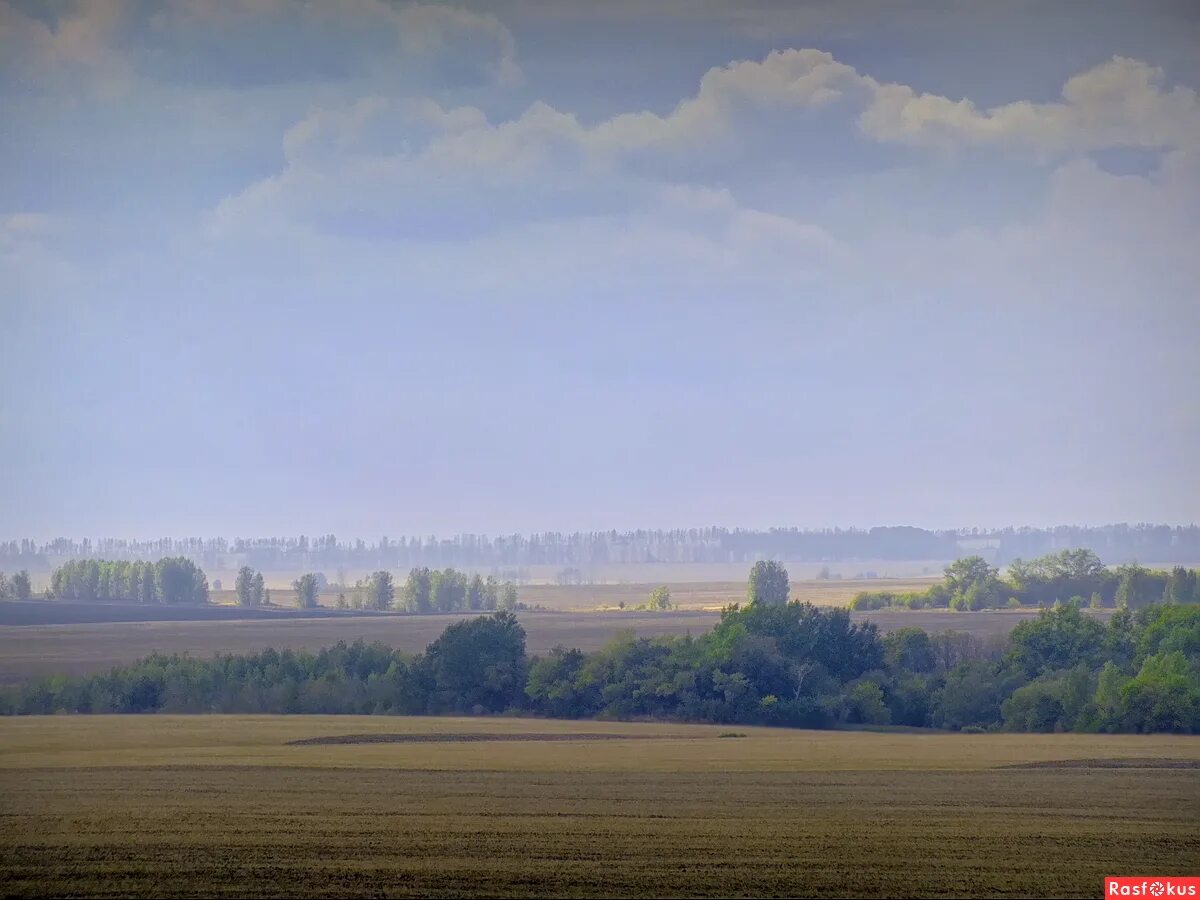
[[469, 737], [1149, 763]]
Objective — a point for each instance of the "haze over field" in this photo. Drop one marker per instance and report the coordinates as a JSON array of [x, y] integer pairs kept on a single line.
[[377, 268]]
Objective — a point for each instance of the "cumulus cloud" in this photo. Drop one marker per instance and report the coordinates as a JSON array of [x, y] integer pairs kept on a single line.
[[406, 167], [1120, 103], [784, 82], [411, 167]]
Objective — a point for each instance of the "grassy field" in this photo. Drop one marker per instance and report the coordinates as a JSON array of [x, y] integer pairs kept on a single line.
[[81, 648], [229, 806]]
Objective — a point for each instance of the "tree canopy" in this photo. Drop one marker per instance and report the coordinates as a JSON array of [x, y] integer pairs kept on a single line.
[[768, 583]]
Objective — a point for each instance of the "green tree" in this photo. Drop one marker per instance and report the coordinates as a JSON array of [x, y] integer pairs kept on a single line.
[[973, 583], [380, 590], [1134, 587], [21, 586], [476, 593], [477, 666], [660, 598], [968, 571], [553, 685], [305, 588], [1164, 695], [863, 703], [418, 591], [971, 696], [909, 650], [245, 584], [508, 596], [150, 592], [179, 580], [1180, 586], [768, 584], [1058, 702], [491, 593], [1059, 638], [1108, 703], [448, 590]]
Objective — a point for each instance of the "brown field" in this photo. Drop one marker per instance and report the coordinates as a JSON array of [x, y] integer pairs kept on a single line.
[[228, 806], [687, 593], [708, 595], [83, 648]]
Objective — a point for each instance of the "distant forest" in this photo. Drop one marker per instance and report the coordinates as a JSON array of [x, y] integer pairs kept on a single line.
[[579, 550]]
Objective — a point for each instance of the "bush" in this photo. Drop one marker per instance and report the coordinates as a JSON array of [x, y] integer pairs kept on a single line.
[[869, 600]]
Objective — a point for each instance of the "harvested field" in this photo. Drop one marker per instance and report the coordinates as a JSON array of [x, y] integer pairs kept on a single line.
[[227, 806], [711, 595], [471, 737]]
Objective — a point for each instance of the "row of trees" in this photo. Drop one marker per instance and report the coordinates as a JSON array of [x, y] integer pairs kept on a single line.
[[18, 587], [448, 590], [578, 550], [1071, 575], [425, 591], [791, 664], [173, 579]]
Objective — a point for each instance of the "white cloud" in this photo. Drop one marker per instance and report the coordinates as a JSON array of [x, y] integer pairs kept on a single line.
[[785, 81], [382, 150], [1121, 103]]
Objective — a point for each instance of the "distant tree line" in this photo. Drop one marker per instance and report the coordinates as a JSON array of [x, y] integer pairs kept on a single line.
[[447, 590], [173, 579], [179, 580], [1071, 575], [767, 662], [578, 550]]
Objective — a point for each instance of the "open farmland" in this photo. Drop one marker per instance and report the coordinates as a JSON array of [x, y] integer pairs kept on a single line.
[[709, 595], [687, 592], [231, 806], [89, 647]]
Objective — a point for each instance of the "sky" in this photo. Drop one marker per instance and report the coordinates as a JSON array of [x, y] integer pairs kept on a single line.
[[273, 267]]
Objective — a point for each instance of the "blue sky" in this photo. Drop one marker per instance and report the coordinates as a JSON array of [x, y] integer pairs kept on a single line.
[[283, 267]]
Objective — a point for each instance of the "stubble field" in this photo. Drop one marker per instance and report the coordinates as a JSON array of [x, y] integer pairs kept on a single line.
[[225, 806]]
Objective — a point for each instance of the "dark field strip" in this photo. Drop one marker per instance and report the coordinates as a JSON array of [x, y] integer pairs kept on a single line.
[[68, 612], [268, 832], [469, 737], [1128, 763]]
